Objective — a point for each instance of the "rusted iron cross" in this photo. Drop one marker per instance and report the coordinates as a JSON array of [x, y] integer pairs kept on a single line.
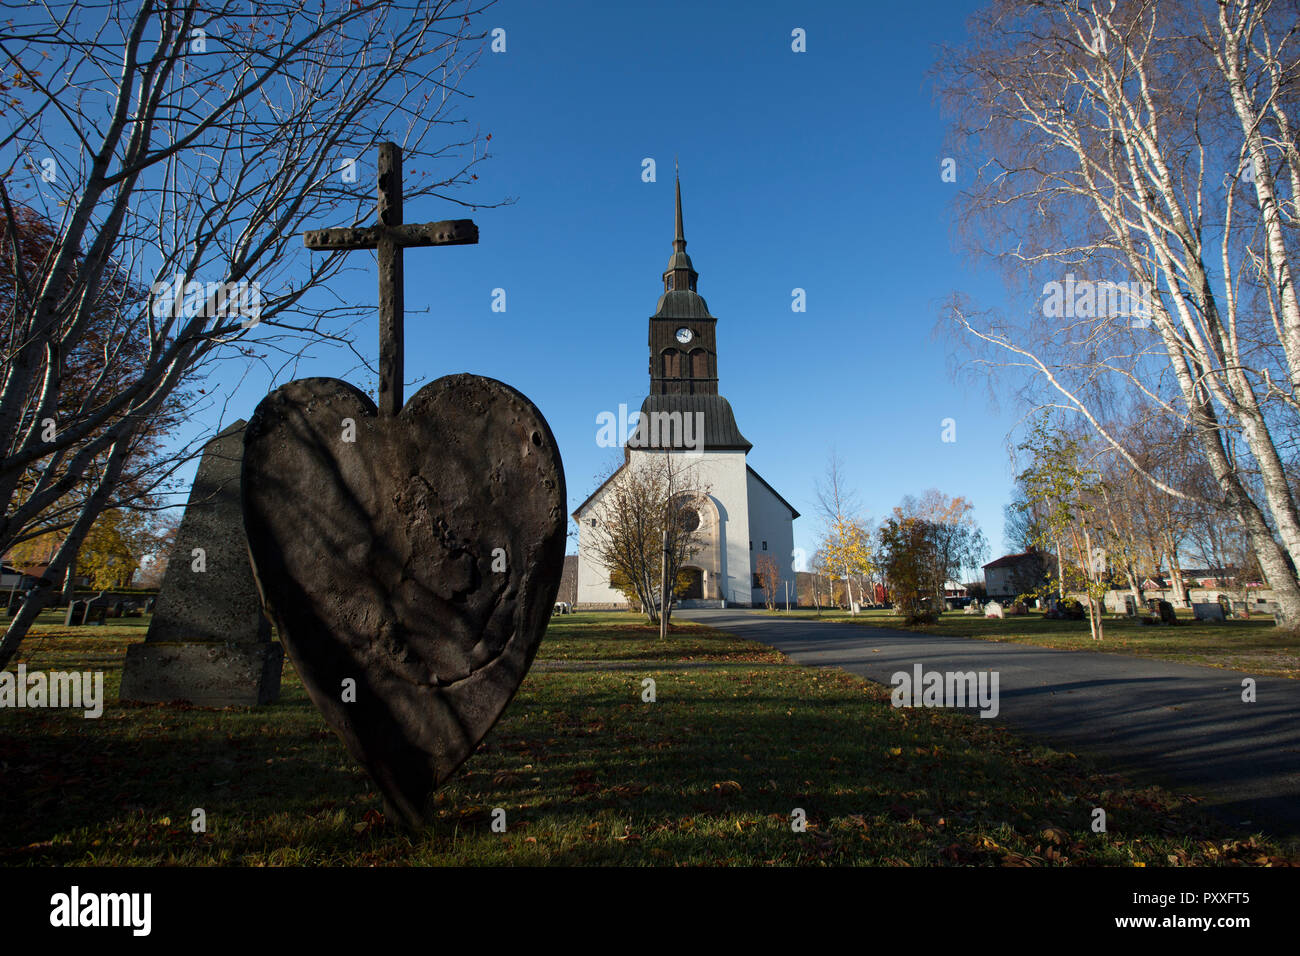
[[390, 237]]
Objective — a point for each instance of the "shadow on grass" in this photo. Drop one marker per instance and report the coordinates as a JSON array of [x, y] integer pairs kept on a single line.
[[711, 772]]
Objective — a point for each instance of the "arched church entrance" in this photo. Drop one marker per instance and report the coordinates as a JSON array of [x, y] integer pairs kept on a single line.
[[695, 587]]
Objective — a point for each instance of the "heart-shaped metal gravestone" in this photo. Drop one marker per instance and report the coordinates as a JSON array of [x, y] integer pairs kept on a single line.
[[409, 554], [410, 561]]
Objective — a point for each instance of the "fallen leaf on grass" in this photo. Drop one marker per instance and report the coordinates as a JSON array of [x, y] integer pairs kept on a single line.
[[370, 820], [1055, 834]]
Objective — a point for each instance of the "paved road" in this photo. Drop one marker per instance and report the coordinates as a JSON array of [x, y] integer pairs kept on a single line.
[[1175, 724]]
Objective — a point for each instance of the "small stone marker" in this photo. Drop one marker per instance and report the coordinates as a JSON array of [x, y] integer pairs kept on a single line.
[[993, 609], [209, 643], [1208, 612]]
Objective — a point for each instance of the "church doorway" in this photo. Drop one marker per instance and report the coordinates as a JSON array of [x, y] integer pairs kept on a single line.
[[695, 585]]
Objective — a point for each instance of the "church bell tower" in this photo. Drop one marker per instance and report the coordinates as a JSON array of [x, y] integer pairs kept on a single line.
[[684, 357], [683, 341]]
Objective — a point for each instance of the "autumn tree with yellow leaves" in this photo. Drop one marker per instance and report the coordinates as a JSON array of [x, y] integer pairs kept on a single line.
[[846, 544]]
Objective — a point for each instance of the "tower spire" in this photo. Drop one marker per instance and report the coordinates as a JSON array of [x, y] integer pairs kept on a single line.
[[683, 347], [680, 275], [679, 241]]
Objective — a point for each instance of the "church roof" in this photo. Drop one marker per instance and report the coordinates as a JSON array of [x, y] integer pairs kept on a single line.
[[720, 430], [681, 304]]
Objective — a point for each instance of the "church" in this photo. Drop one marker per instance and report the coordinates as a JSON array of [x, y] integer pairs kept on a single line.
[[740, 516]]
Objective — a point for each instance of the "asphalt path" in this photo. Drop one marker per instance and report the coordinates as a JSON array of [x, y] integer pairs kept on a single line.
[[1178, 725]]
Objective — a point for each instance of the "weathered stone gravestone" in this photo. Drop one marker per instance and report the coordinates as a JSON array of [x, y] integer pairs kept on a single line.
[[1073, 610], [1208, 612], [76, 615], [993, 609], [410, 554], [1167, 615], [208, 643]]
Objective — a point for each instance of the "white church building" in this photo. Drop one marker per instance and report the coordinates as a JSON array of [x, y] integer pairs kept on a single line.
[[741, 516]]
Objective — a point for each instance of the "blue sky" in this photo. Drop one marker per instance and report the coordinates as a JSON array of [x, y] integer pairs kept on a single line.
[[817, 170]]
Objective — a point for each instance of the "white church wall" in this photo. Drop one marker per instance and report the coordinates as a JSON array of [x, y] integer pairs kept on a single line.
[[770, 521], [724, 474], [593, 580]]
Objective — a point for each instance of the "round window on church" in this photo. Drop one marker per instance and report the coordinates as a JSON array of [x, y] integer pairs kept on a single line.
[[690, 519]]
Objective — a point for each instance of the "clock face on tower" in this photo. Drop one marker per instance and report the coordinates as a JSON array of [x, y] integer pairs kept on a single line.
[[685, 335]]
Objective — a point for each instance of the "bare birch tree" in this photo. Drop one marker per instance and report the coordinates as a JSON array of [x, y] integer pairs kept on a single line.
[[1139, 160], [1153, 525], [187, 145], [769, 575]]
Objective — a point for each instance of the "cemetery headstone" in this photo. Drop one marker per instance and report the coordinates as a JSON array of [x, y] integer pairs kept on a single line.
[[1167, 615], [1208, 612], [410, 554], [993, 609], [208, 643], [76, 615]]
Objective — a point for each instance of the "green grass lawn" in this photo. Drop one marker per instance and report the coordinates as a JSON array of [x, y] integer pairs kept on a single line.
[[587, 773], [1255, 646]]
